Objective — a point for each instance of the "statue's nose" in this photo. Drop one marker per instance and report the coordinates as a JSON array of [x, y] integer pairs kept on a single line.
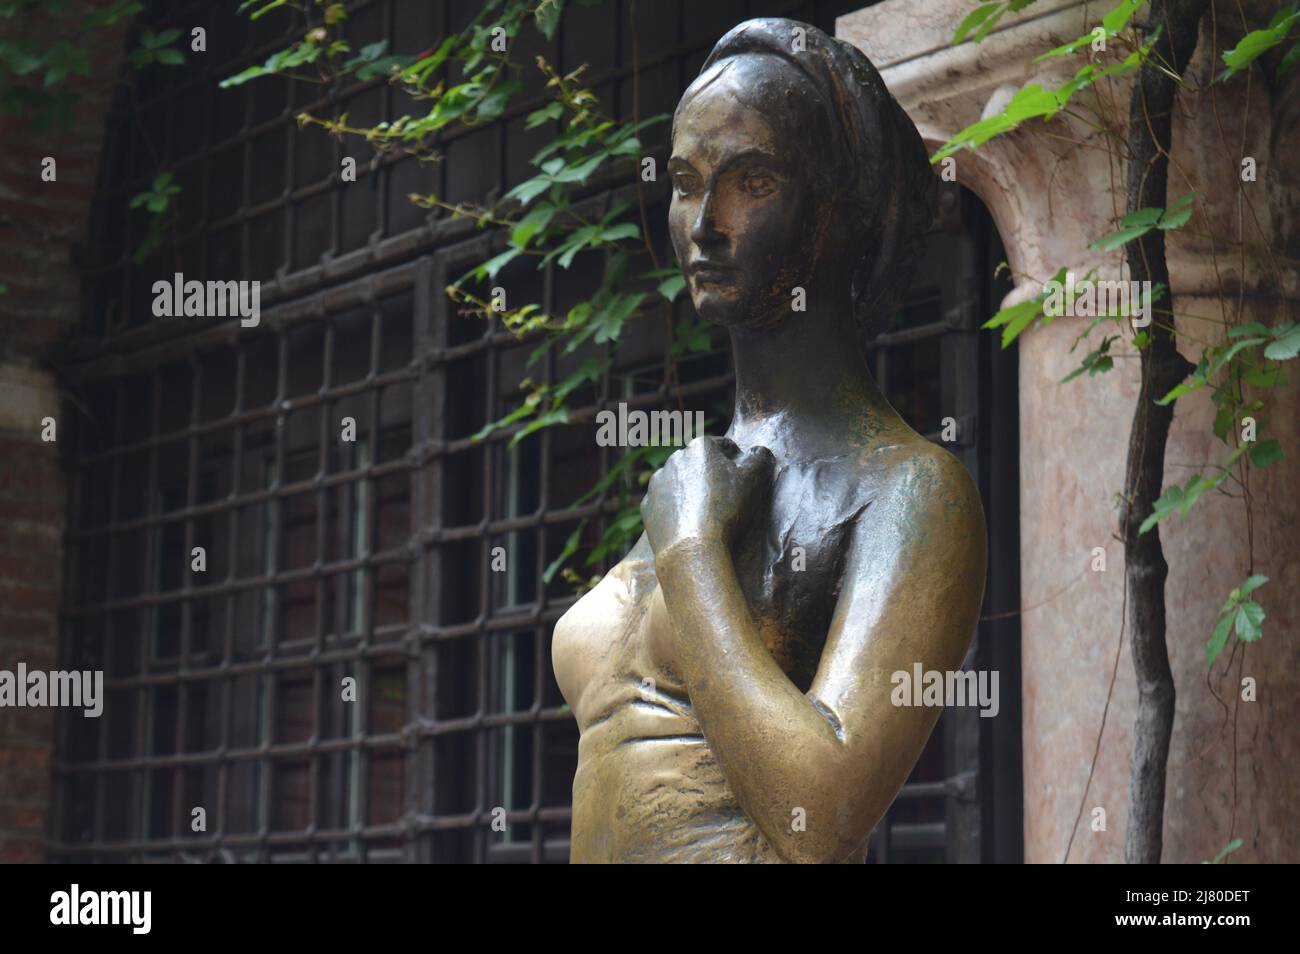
[[704, 230]]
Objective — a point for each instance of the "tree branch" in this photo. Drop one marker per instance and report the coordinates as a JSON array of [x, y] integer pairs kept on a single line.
[[1150, 132]]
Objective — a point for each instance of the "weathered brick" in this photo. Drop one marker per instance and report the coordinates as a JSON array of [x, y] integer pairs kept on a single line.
[[33, 759], [25, 851], [40, 222], [18, 630], [25, 600]]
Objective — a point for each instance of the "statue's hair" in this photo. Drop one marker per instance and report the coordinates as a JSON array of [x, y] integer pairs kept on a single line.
[[876, 162]]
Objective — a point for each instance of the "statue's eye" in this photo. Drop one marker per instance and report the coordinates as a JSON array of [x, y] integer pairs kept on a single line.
[[759, 184], [684, 183]]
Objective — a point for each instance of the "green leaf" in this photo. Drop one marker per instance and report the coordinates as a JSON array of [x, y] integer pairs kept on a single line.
[[1252, 583], [624, 527], [547, 17], [1265, 453], [1264, 378], [978, 133], [975, 18], [569, 549], [493, 265], [1165, 505], [691, 337], [1114, 240], [580, 171], [63, 59], [1258, 42], [495, 102], [418, 72], [589, 370], [609, 320], [548, 113], [1016, 318], [1218, 639], [1096, 362], [1285, 347], [120, 10], [1147, 216], [286, 59], [1118, 18], [672, 286], [158, 40], [1228, 849], [23, 61], [1222, 360], [171, 57], [243, 76], [1178, 213], [523, 410], [1139, 222], [1292, 57], [549, 419], [530, 189], [535, 221], [624, 230], [257, 14], [1196, 488], [575, 243], [1249, 622]]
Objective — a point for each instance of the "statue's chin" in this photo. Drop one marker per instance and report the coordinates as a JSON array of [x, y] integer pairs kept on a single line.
[[717, 308], [735, 312]]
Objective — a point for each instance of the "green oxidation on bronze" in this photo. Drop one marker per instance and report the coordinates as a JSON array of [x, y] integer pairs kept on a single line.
[[731, 676]]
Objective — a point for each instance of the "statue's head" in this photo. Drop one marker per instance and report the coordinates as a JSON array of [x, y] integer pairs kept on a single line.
[[792, 166]]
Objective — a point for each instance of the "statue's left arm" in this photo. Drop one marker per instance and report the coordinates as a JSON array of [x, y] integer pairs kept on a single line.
[[816, 771]]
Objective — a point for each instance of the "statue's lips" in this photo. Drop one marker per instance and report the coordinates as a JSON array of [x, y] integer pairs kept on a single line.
[[712, 273]]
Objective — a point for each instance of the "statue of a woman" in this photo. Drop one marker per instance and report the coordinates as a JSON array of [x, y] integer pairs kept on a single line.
[[731, 677]]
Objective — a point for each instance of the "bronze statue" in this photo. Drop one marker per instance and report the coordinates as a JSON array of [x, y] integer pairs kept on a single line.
[[731, 677]]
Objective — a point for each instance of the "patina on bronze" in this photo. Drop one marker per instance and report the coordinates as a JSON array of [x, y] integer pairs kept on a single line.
[[731, 677]]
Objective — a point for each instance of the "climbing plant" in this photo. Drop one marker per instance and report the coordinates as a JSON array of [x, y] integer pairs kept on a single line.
[[469, 79], [1242, 365], [46, 43]]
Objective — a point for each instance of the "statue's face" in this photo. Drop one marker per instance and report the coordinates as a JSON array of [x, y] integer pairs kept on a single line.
[[740, 208]]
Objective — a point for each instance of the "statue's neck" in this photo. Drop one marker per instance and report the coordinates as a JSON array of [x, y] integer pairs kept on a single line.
[[801, 384]]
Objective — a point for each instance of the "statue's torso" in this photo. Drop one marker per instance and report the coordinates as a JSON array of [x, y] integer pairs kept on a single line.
[[648, 787]]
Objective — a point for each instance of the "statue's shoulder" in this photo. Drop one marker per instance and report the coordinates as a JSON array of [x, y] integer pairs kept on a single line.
[[924, 488]]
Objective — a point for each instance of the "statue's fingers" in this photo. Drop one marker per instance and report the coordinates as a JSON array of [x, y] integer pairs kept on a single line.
[[758, 457], [728, 447]]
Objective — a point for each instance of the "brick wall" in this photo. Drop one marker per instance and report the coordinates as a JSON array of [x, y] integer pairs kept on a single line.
[[41, 223]]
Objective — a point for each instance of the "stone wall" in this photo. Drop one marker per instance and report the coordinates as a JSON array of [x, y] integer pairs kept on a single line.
[[1234, 766]]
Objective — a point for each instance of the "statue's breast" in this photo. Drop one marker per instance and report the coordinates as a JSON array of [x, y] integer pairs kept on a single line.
[[790, 565]]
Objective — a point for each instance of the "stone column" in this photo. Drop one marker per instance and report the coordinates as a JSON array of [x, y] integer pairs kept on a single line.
[[1234, 766]]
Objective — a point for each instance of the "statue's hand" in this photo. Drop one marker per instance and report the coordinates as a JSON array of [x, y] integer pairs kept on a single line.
[[706, 490]]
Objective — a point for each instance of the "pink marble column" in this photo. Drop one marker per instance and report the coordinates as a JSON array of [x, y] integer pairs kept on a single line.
[[1234, 766]]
